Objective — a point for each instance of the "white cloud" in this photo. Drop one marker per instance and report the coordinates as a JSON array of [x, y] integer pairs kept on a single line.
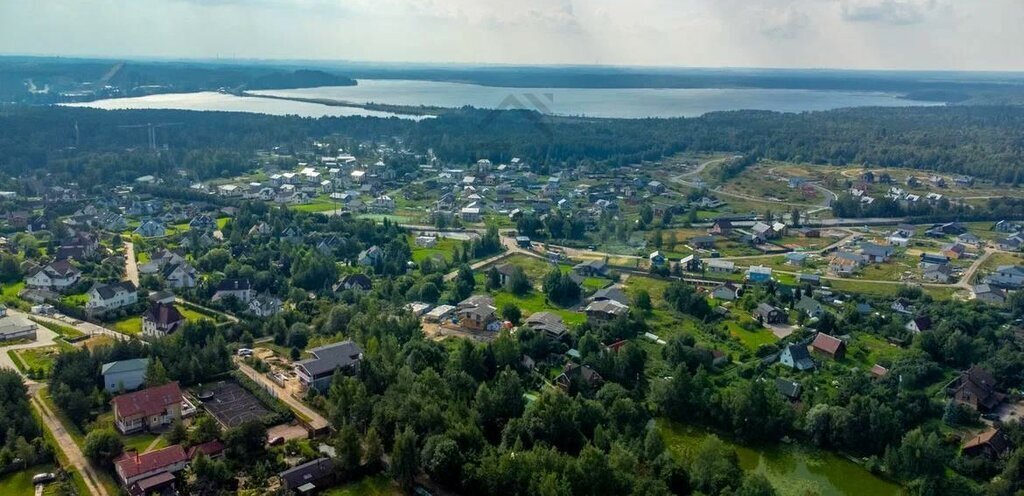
[[887, 11]]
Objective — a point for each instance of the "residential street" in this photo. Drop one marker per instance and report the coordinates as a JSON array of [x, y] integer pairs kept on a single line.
[[131, 268], [66, 444]]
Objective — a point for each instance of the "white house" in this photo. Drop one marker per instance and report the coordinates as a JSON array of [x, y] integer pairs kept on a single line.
[[180, 275], [239, 288], [265, 306], [106, 297], [57, 276], [151, 229]]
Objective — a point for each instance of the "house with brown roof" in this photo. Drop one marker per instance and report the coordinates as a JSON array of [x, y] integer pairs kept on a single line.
[[574, 372], [149, 472], [991, 444], [161, 319], [150, 408], [830, 346], [976, 388]]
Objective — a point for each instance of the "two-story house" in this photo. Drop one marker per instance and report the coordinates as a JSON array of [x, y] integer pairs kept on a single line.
[[150, 408], [107, 297]]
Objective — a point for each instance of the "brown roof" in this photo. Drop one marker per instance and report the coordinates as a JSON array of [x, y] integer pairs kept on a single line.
[[994, 438], [164, 314], [132, 464], [878, 370], [826, 343], [149, 401], [209, 448]]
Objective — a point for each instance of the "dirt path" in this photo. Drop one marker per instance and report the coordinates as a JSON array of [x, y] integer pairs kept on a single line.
[[66, 444], [131, 268], [965, 281]]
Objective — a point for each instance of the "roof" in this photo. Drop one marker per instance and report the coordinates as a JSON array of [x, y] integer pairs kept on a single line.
[[122, 366], [108, 291], [164, 314], [607, 306], [148, 401], [826, 343], [233, 285], [787, 388], [132, 464], [331, 357], [799, 353], [548, 322], [993, 437], [307, 472], [764, 308], [610, 293], [209, 448]]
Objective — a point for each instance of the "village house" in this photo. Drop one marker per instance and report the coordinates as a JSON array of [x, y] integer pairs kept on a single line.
[[721, 227], [179, 275], [477, 313], [796, 356], [1006, 277], [151, 229], [876, 253], [107, 297], [309, 477], [317, 372], [691, 263], [56, 276], [810, 307], [768, 314], [161, 319], [573, 373], [918, 325], [991, 444], [988, 294], [845, 263], [976, 388], [702, 242], [15, 327], [591, 268], [549, 324], [265, 306], [151, 408], [238, 288], [613, 293], [657, 259], [371, 256], [124, 375], [758, 273], [790, 390], [359, 282], [938, 273], [604, 311], [150, 473], [721, 266], [726, 292], [829, 346], [902, 305]]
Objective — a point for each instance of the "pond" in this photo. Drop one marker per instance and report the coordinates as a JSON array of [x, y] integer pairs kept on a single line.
[[793, 470]]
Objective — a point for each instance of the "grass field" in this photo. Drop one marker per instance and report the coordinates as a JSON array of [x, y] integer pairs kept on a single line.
[[318, 205], [377, 485], [9, 293], [445, 248], [128, 325], [38, 358], [534, 302], [141, 441], [19, 483]]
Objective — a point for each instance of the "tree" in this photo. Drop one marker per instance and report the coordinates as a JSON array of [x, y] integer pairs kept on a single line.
[[405, 459], [204, 429], [442, 459], [646, 214], [374, 449], [511, 313], [755, 485], [177, 433], [102, 446], [715, 466], [349, 450], [156, 374], [518, 283], [642, 300], [247, 441]]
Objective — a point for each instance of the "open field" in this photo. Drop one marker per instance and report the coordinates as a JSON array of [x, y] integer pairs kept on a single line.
[[378, 485]]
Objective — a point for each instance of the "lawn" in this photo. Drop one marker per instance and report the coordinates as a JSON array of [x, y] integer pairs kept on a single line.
[[535, 301], [377, 485], [75, 300], [445, 248], [18, 483], [9, 293], [750, 339], [128, 325], [140, 442], [38, 358], [318, 205]]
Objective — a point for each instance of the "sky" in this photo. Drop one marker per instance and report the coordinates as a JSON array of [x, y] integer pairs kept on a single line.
[[852, 34]]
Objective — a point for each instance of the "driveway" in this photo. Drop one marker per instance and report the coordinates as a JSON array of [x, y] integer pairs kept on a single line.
[[317, 421], [66, 444]]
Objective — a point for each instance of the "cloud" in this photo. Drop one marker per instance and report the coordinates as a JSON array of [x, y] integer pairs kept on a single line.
[[786, 23], [898, 12]]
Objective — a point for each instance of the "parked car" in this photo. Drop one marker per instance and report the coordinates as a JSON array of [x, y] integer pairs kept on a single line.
[[43, 478], [276, 441], [245, 352]]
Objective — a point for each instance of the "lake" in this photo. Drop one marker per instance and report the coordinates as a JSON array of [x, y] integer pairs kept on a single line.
[[793, 470], [212, 100], [596, 102], [591, 102]]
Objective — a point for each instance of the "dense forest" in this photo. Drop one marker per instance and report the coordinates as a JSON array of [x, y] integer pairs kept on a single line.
[[981, 141]]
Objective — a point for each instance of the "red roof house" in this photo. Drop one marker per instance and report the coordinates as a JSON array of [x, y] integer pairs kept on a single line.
[[149, 408], [829, 345], [212, 449], [134, 469]]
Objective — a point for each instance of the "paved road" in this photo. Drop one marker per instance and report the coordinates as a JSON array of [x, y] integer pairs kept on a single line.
[[317, 422], [965, 281], [66, 444], [131, 268]]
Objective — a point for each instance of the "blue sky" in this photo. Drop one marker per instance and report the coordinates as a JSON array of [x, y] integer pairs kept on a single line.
[[883, 34]]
